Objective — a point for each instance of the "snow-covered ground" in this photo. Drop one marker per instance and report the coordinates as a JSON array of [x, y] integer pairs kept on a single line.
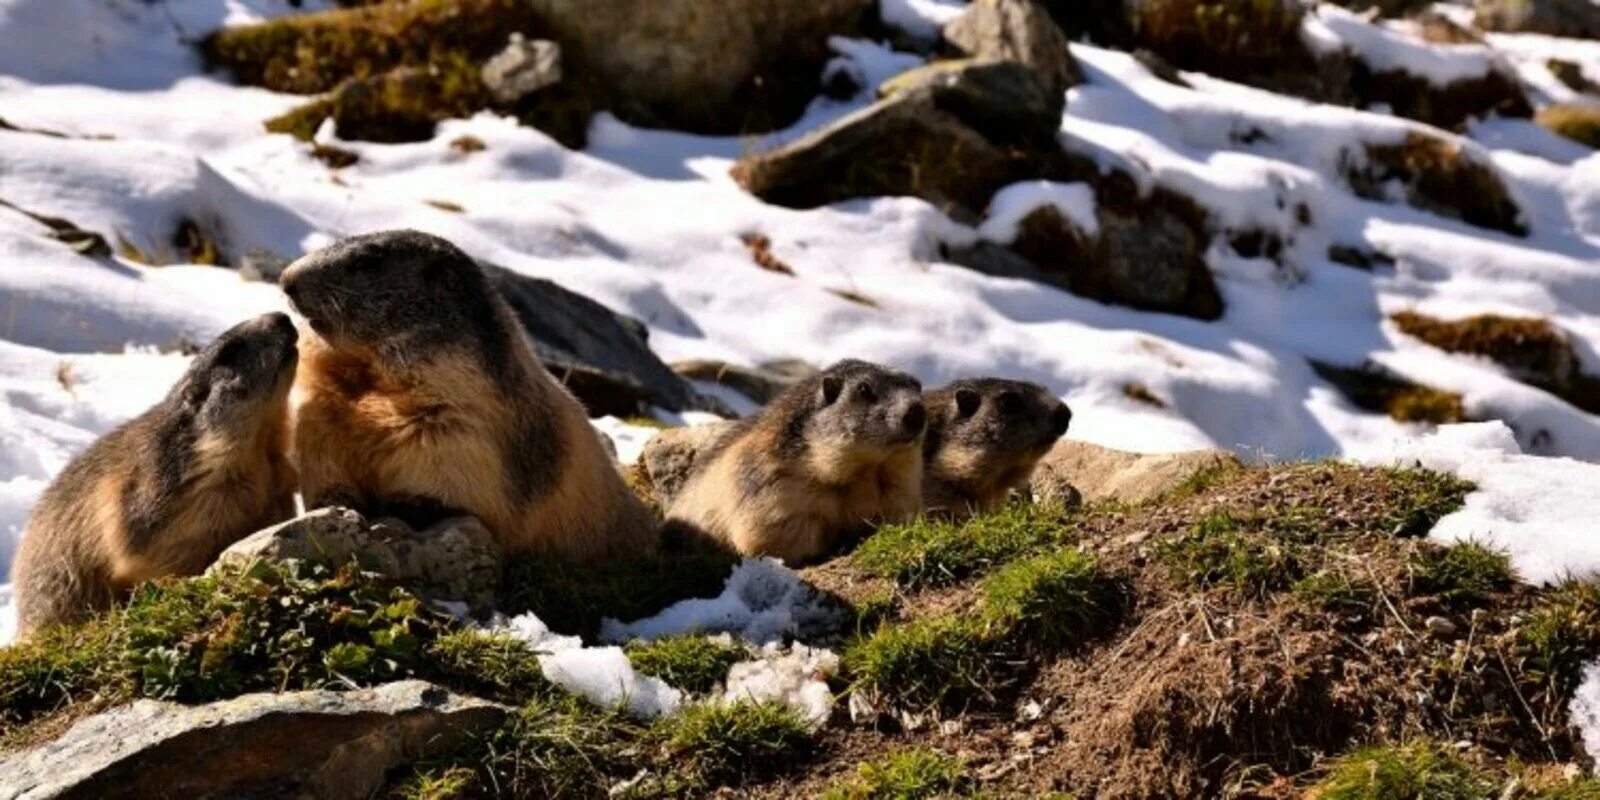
[[649, 223]]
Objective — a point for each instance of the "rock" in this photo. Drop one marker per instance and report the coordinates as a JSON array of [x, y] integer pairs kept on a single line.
[[1571, 74], [454, 559], [1440, 628], [321, 744], [1579, 19], [760, 383], [82, 241], [951, 133], [1449, 106], [603, 357], [1438, 175], [1016, 30], [669, 458], [1101, 473], [730, 68], [524, 67]]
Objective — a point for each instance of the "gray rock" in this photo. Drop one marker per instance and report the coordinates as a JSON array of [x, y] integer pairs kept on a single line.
[[1020, 31], [1578, 19], [314, 744], [1005, 101], [455, 559], [1440, 628], [603, 357], [262, 265], [671, 456], [760, 383], [524, 67], [1100, 473]]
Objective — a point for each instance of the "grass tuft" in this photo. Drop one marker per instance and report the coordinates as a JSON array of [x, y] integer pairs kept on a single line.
[[924, 663], [1461, 575], [1421, 770], [1561, 636], [934, 552], [1048, 600], [1425, 496], [911, 774], [693, 663], [1579, 123], [718, 743], [1337, 593], [1219, 552]]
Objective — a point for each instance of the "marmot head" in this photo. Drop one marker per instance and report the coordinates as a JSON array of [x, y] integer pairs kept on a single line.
[[981, 425], [404, 295], [248, 367], [856, 411]]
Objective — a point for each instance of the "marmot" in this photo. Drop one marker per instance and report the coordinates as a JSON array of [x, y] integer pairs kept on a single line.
[[985, 435], [827, 457], [167, 492], [418, 388]]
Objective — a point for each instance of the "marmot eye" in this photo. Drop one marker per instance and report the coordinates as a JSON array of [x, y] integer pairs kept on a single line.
[[865, 394]]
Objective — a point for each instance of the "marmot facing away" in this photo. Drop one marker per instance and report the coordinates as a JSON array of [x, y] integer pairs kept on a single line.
[[417, 387], [165, 493], [984, 437], [824, 459]]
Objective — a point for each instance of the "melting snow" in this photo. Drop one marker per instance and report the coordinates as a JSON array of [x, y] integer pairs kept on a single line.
[[763, 601]]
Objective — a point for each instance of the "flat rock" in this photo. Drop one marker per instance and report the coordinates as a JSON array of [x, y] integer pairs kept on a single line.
[[1020, 31], [1100, 473], [313, 744]]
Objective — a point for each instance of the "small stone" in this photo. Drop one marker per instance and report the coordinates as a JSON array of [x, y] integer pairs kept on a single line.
[[952, 727], [1440, 627], [1031, 711], [1479, 617], [524, 67]]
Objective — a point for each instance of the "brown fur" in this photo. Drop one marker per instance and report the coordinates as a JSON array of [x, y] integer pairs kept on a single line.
[[445, 426], [807, 472], [985, 436], [162, 495]]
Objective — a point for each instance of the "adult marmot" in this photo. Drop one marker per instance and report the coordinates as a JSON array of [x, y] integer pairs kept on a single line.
[[827, 457], [417, 387], [985, 435], [165, 493]]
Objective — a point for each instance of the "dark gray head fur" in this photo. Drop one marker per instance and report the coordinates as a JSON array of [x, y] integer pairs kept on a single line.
[[1008, 418], [250, 363], [852, 404]]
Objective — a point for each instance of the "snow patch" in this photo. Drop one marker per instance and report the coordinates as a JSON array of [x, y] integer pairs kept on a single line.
[[763, 601], [1011, 205], [1385, 46], [1585, 709], [601, 675], [920, 19], [796, 676], [629, 439]]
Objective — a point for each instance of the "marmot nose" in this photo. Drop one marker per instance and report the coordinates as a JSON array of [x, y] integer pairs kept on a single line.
[[916, 417], [1061, 418]]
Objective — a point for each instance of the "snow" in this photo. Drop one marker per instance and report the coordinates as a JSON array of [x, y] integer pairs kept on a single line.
[[1388, 46], [920, 19], [1011, 205], [1584, 709], [796, 676], [601, 675], [763, 601]]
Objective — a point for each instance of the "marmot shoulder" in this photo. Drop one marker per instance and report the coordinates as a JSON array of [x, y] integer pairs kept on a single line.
[[826, 458], [418, 388], [985, 435], [165, 493]]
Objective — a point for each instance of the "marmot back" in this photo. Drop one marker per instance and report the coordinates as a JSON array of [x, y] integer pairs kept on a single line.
[[165, 493], [985, 435], [825, 459], [418, 389]]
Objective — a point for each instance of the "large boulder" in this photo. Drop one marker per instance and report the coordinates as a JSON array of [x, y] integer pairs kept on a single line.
[[1016, 30], [603, 357], [455, 559], [322, 744], [950, 133], [1574, 18], [1102, 474]]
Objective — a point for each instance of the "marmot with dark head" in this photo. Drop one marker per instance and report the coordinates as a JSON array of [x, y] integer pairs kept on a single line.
[[985, 435], [419, 390], [825, 459], [167, 492]]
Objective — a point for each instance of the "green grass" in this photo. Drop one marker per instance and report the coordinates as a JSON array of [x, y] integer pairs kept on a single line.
[[1335, 592], [1580, 789], [719, 743], [910, 774], [1424, 496], [1560, 636], [934, 552], [574, 599], [494, 666], [1219, 551], [562, 747], [1461, 575], [693, 663], [924, 663], [1048, 600], [1420, 770]]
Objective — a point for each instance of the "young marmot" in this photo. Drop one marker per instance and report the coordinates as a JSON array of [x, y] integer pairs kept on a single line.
[[165, 493], [984, 437], [826, 458], [418, 389]]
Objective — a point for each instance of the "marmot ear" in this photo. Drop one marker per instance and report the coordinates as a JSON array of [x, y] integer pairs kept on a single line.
[[967, 402], [831, 387]]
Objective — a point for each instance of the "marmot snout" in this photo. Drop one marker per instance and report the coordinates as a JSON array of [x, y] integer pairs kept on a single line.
[[985, 435], [165, 493]]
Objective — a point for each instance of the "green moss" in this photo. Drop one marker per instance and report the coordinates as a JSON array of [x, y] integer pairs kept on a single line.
[[1560, 636], [495, 666], [1417, 771], [574, 599], [692, 663], [1048, 600], [932, 552], [910, 774], [1219, 551], [924, 663], [727, 743], [1461, 575], [402, 105], [1580, 789]]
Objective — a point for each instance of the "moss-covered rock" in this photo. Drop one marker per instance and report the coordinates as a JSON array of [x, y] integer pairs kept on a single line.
[[1437, 175], [1375, 388], [1581, 124]]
